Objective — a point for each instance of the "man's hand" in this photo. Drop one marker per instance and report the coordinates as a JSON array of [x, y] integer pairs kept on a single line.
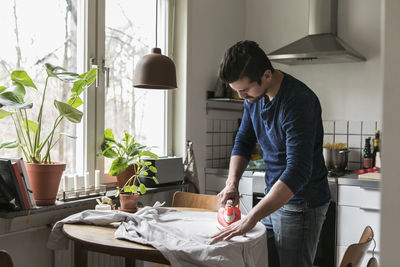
[[238, 228], [229, 192]]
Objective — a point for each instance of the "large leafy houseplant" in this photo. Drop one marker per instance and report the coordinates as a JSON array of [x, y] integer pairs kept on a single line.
[[35, 143], [126, 153], [35, 148]]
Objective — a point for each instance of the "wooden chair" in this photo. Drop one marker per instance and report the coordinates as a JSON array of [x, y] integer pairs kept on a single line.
[[372, 262], [5, 259], [192, 200], [355, 252]]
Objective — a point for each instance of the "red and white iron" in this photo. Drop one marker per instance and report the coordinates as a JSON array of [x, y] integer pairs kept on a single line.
[[228, 215]]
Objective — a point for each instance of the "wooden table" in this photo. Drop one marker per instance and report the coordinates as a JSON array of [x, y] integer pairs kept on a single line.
[[101, 239]]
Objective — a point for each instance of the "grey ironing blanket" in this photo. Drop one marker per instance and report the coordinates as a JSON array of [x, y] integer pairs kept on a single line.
[[183, 237]]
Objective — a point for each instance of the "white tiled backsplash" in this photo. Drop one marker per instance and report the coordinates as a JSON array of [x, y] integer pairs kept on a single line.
[[353, 133], [220, 134]]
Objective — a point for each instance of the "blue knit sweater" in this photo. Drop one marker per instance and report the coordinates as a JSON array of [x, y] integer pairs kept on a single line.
[[290, 132]]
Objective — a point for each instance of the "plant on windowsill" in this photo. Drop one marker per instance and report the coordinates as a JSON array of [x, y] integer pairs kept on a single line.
[[35, 144], [129, 163]]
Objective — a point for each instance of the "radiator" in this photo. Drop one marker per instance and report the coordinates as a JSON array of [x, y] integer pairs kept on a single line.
[[65, 258]]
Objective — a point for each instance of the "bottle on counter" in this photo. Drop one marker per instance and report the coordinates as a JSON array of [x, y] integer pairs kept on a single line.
[[375, 153], [367, 155]]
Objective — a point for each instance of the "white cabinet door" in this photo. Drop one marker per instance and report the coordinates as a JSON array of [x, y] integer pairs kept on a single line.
[[351, 224]]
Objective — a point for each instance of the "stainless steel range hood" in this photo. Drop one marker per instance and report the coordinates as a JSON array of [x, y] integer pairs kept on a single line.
[[321, 45]]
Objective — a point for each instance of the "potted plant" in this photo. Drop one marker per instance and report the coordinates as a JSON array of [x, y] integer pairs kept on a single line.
[[36, 145], [130, 161]]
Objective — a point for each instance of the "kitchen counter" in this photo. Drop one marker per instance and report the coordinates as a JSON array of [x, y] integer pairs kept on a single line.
[[347, 179], [352, 179]]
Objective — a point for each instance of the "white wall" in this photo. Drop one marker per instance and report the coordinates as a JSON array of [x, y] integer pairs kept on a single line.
[[347, 91], [390, 215], [213, 26]]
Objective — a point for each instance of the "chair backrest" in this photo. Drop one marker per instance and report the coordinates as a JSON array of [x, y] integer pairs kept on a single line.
[[5, 259], [355, 252], [372, 262], [192, 200]]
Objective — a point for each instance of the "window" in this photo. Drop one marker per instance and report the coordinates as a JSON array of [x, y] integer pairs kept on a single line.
[[69, 34], [33, 40]]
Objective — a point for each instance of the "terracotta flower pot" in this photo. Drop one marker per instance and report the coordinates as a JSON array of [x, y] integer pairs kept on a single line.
[[124, 176], [128, 202], [45, 179]]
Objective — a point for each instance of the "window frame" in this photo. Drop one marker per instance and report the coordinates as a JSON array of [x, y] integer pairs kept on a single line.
[[94, 118]]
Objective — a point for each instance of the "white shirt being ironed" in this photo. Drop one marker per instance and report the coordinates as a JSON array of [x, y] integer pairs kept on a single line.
[[183, 237]]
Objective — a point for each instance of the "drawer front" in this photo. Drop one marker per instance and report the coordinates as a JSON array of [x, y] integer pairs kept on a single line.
[[359, 197], [351, 224], [341, 250]]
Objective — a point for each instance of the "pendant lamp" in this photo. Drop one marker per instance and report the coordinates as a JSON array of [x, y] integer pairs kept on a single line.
[[154, 70]]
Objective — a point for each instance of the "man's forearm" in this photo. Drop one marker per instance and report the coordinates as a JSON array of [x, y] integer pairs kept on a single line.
[[278, 196], [237, 166]]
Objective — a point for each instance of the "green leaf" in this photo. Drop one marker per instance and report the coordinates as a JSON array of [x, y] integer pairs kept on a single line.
[[145, 173], [9, 144], [85, 80], [117, 193], [148, 163], [118, 165], [127, 137], [10, 99], [72, 114], [127, 188], [108, 135], [153, 169], [75, 101], [61, 73], [32, 126], [142, 189], [2, 88], [155, 180], [23, 78], [130, 189], [108, 151], [18, 89], [148, 154], [4, 113]]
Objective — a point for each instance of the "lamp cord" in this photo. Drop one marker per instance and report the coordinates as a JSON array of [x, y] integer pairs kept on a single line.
[[156, 19]]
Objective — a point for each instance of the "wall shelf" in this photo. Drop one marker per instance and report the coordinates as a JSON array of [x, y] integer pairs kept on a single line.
[[224, 104]]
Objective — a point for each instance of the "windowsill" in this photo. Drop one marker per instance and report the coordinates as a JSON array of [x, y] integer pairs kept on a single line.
[[15, 222], [90, 200]]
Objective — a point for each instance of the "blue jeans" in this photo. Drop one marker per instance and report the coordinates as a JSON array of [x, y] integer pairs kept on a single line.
[[293, 233]]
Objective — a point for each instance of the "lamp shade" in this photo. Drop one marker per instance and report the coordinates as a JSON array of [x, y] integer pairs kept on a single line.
[[155, 71]]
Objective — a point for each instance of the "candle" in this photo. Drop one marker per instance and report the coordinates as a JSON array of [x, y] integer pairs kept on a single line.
[[76, 181], [65, 182], [86, 180], [97, 178]]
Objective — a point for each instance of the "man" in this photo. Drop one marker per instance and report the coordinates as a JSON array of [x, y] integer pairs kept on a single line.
[[284, 116]]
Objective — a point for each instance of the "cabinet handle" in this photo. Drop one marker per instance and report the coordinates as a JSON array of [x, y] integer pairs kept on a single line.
[[369, 209], [370, 188]]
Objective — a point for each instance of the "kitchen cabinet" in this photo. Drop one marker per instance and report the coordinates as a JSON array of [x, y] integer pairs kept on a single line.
[[358, 206]]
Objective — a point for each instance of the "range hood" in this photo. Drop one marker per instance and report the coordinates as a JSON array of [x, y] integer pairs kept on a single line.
[[321, 45]]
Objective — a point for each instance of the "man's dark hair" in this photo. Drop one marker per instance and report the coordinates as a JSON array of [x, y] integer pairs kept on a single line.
[[244, 59]]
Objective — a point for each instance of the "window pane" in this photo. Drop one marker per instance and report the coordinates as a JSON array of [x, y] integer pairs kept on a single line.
[[130, 33], [35, 37]]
